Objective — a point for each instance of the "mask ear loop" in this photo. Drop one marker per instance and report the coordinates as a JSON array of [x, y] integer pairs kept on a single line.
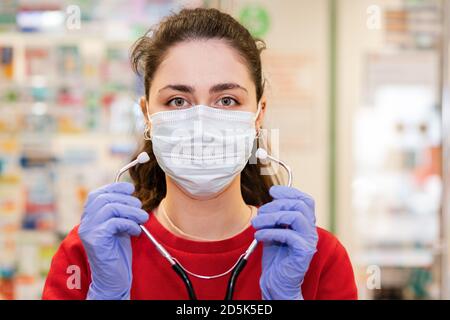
[[257, 111], [147, 135], [258, 131]]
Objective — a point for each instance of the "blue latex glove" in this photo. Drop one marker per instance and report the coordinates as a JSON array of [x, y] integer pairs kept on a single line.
[[111, 215], [287, 228]]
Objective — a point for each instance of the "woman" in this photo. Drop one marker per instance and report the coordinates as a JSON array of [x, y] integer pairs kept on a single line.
[[202, 76]]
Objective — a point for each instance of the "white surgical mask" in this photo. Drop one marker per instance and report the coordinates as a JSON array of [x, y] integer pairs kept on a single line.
[[203, 148]]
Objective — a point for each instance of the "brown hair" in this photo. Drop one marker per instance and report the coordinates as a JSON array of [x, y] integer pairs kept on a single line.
[[147, 54]]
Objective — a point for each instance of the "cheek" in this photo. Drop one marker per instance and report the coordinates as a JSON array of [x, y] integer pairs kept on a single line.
[[154, 108]]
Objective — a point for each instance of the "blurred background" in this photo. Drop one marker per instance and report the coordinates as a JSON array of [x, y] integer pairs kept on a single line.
[[359, 90]]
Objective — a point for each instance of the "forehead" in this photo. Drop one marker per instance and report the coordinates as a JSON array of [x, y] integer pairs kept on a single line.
[[201, 63]]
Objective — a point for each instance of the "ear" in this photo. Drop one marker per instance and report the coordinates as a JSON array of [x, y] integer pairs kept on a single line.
[[143, 104], [262, 112]]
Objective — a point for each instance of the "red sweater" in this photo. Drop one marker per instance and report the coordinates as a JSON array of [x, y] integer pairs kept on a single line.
[[330, 275]]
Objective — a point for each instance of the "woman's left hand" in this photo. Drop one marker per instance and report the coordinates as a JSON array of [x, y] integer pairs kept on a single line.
[[287, 228]]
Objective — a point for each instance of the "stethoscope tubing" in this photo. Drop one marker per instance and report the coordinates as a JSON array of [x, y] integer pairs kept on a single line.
[[176, 266], [184, 275]]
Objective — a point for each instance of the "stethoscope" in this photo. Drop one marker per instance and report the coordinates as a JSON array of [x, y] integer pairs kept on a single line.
[[182, 272]]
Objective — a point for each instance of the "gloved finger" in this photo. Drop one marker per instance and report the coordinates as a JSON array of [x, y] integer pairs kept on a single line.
[[289, 205], [119, 225], [285, 192], [286, 236], [116, 187], [118, 210], [294, 219], [104, 199]]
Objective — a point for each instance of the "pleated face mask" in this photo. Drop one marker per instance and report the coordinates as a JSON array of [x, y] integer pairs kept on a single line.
[[203, 148]]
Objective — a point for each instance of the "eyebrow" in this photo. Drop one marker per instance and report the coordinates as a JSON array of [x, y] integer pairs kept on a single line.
[[178, 87], [225, 86], [216, 88]]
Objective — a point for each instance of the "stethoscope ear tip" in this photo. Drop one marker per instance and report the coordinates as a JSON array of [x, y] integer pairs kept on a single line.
[[261, 153], [143, 157]]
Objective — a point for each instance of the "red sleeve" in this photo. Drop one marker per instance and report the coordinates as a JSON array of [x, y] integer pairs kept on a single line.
[[337, 280], [69, 275]]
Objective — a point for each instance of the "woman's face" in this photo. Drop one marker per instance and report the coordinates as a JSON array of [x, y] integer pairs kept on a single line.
[[207, 72]]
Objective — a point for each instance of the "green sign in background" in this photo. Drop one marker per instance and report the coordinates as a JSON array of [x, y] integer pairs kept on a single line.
[[256, 19]]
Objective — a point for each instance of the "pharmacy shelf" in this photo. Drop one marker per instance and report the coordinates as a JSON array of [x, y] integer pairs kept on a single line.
[[40, 39], [399, 258], [392, 229]]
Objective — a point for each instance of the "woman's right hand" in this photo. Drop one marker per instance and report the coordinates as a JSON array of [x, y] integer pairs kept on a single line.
[[111, 215]]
